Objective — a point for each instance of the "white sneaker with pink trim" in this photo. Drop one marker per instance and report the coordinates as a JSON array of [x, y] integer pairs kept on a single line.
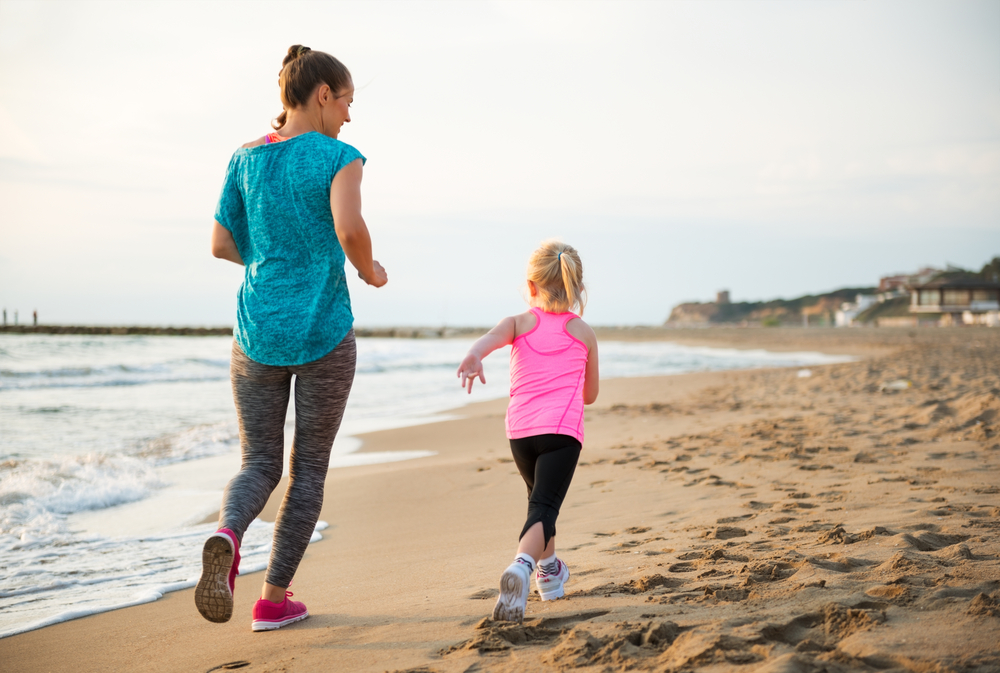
[[551, 585]]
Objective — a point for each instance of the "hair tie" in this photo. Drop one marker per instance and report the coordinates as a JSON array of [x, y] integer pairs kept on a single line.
[[301, 50], [559, 257]]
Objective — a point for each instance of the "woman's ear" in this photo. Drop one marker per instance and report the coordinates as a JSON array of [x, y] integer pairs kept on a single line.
[[532, 288], [324, 94]]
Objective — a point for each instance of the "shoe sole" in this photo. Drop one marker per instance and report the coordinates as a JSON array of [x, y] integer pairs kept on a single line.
[[510, 605], [271, 626], [212, 596]]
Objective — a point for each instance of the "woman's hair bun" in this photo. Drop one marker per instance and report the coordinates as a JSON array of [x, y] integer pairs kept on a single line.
[[295, 51]]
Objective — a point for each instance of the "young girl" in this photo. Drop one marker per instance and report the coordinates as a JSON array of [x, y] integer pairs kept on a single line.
[[553, 373], [290, 212]]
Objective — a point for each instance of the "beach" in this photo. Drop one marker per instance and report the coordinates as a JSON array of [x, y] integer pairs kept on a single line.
[[837, 518]]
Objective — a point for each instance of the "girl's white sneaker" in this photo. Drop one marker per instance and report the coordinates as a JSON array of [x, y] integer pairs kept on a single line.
[[513, 598], [552, 585]]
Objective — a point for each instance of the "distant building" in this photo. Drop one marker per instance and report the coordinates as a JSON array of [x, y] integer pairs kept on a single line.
[[722, 297], [848, 311], [960, 298], [899, 284]]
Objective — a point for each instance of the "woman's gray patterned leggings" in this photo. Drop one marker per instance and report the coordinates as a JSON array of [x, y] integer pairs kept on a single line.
[[261, 394]]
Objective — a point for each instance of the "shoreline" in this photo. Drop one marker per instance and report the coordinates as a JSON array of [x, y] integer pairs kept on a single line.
[[154, 330], [692, 486], [850, 340]]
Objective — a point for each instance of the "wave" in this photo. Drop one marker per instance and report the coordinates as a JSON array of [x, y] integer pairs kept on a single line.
[[178, 371], [118, 382], [68, 579], [449, 365], [37, 495], [121, 375]]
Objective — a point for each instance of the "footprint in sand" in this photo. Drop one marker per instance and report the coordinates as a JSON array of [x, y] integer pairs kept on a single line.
[[609, 645], [636, 586], [984, 605], [725, 533], [727, 593], [893, 593], [839, 536], [484, 594], [765, 571], [494, 637], [792, 506], [821, 631], [927, 541]]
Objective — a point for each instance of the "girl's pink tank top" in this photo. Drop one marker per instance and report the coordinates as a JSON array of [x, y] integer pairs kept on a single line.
[[547, 366]]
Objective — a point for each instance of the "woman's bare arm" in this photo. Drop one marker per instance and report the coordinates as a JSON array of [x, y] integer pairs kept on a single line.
[[352, 232], [223, 245]]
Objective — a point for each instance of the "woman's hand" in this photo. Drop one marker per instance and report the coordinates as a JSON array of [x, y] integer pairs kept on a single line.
[[378, 278], [471, 367]]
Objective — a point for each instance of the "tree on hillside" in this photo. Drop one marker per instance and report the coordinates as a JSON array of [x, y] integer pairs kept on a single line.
[[991, 270]]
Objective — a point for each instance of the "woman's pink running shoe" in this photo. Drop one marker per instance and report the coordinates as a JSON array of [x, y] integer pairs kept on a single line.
[[268, 616], [220, 563]]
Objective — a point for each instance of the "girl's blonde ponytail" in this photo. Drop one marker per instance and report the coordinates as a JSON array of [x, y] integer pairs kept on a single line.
[[571, 280], [556, 270]]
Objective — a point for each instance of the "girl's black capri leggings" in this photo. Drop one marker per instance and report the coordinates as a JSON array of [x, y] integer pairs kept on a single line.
[[546, 463], [261, 393]]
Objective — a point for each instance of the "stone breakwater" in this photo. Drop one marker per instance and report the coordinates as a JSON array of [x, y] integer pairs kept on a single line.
[[389, 332], [124, 331]]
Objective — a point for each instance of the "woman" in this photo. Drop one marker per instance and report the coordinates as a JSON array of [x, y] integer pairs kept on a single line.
[[290, 211]]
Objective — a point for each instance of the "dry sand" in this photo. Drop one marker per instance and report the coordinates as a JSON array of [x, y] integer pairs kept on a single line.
[[741, 521]]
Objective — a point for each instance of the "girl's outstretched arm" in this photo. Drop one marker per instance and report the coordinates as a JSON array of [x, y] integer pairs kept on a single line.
[[498, 337]]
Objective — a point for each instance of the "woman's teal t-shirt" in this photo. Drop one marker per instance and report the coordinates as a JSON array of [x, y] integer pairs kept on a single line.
[[293, 306]]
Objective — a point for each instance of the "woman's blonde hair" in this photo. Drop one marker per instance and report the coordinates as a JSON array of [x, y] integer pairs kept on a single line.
[[556, 270]]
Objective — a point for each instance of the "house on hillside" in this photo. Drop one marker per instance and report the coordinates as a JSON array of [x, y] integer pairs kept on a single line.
[[960, 298], [848, 311], [899, 285]]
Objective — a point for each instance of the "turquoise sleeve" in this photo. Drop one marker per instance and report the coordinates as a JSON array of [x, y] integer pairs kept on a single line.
[[230, 210]]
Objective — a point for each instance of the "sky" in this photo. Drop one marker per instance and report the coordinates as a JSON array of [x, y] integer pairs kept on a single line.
[[769, 148]]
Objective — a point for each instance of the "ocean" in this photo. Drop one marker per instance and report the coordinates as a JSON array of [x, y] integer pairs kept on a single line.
[[114, 449]]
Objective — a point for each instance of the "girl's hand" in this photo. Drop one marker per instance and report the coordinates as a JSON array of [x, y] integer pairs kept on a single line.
[[471, 367]]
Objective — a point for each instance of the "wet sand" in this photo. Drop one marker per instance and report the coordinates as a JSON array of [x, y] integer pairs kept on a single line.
[[729, 521]]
